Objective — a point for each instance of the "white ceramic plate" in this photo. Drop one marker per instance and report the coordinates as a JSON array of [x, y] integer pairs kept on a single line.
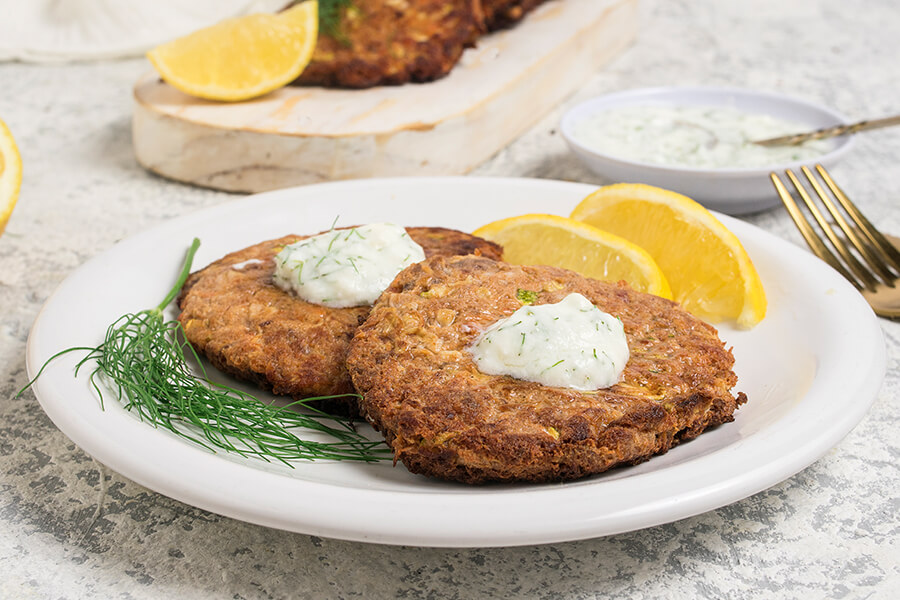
[[732, 191], [810, 369]]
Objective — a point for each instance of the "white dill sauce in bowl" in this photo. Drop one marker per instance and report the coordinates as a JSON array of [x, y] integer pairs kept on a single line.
[[695, 141], [704, 137]]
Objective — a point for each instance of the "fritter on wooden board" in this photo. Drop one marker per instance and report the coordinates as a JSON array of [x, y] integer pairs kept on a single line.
[[390, 42], [499, 14]]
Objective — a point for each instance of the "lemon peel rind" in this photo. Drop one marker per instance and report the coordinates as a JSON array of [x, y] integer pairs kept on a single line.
[[10, 175], [657, 283], [692, 212], [305, 12]]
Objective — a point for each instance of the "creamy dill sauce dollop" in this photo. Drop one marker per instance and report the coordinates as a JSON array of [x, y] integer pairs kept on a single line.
[[346, 267], [568, 344], [693, 136]]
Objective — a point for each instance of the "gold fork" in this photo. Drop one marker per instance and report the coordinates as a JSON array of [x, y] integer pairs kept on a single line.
[[868, 259]]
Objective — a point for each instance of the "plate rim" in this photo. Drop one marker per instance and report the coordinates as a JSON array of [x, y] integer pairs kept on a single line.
[[711, 495]]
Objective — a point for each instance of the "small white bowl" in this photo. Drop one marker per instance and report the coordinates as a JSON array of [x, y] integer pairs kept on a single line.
[[733, 191]]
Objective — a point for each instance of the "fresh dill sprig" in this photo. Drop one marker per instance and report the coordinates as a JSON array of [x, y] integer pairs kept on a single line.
[[330, 13], [143, 360]]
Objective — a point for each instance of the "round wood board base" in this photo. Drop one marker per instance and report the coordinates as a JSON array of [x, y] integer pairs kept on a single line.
[[301, 135]]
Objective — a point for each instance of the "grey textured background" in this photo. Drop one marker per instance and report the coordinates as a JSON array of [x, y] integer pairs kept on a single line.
[[70, 528]]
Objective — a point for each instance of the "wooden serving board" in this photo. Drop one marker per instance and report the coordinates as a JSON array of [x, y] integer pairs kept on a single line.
[[300, 135]]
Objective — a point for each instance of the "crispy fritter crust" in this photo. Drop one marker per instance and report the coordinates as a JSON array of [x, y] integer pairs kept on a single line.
[[390, 42], [499, 14], [248, 327], [444, 418]]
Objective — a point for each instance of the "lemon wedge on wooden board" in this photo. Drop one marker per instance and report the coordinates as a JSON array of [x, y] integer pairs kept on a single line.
[[539, 239], [241, 58], [10, 174], [710, 272]]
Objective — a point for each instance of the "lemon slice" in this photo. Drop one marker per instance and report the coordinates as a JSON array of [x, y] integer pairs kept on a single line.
[[241, 58], [10, 174], [710, 272], [539, 239]]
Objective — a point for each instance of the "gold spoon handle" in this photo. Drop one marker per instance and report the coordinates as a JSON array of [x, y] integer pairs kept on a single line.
[[799, 138]]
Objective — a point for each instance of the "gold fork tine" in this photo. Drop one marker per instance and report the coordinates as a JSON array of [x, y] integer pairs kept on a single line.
[[888, 252], [862, 274], [884, 298], [806, 230], [862, 246]]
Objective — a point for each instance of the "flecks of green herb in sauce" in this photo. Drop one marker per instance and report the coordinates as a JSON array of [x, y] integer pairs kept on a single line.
[[562, 360]]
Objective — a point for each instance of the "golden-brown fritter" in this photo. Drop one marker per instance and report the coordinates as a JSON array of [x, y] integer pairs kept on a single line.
[[444, 418], [248, 327], [499, 14], [390, 42]]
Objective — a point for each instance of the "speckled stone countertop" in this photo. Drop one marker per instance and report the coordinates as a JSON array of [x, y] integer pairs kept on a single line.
[[70, 528]]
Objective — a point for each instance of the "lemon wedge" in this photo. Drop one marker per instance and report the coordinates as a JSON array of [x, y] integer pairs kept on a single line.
[[539, 239], [710, 272], [10, 174], [240, 58]]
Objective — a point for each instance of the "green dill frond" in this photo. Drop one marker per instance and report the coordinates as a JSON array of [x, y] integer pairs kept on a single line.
[[143, 360], [330, 15]]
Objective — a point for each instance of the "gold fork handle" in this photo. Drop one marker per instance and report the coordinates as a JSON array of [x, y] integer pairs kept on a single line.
[[828, 132]]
